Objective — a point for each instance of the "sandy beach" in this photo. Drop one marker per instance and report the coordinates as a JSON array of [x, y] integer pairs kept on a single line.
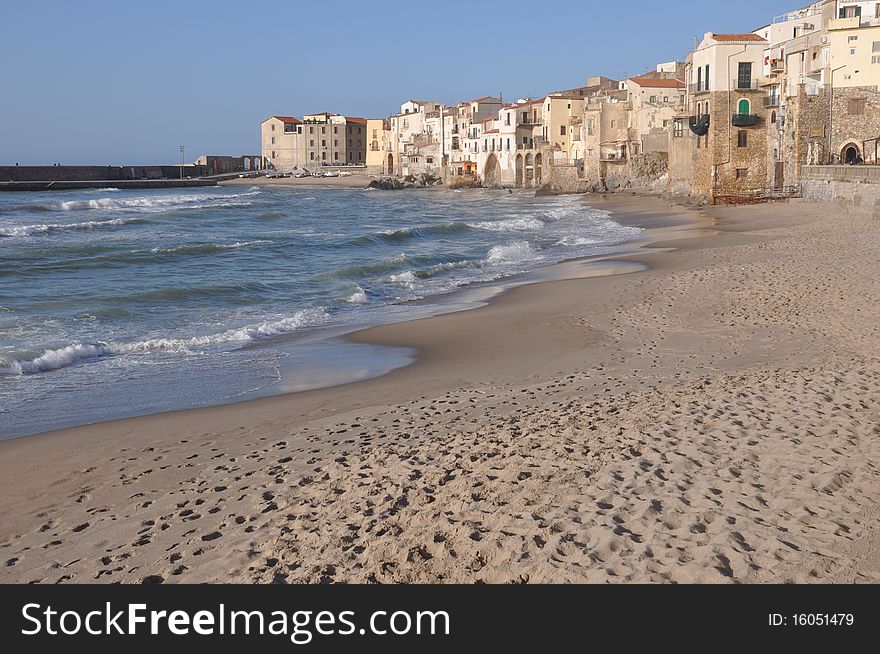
[[709, 418], [356, 180]]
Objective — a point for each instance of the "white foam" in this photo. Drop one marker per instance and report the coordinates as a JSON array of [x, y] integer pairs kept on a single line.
[[512, 225], [511, 253], [55, 359], [358, 297], [406, 279], [42, 228]]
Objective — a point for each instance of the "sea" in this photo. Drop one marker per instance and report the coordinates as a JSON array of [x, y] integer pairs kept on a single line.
[[115, 303]]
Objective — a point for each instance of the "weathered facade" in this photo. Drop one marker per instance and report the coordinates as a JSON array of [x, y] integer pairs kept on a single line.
[[316, 140]]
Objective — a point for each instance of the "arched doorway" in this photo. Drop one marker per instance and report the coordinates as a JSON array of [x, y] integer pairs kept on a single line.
[[530, 170], [539, 160], [850, 154], [519, 171], [390, 170], [492, 171]]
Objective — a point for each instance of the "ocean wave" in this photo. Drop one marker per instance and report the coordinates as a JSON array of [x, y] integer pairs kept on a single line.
[[377, 268], [404, 234], [142, 203], [358, 297], [32, 362], [576, 241], [44, 228], [510, 225], [406, 279], [206, 248], [512, 253]]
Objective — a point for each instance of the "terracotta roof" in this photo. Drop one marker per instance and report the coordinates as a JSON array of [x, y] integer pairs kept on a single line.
[[486, 98], [285, 119], [491, 131], [658, 83], [727, 38], [356, 121]]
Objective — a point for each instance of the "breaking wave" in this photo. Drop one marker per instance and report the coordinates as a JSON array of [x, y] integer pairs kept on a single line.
[[32, 362]]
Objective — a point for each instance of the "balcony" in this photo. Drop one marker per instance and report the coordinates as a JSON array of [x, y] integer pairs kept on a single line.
[[699, 124], [702, 87], [746, 84], [771, 101], [744, 120]]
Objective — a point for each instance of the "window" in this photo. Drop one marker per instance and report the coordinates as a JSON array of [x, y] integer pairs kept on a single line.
[[335, 143], [742, 173], [273, 154], [742, 139], [430, 160], [875, 59], [311, 143], [856, 107], [665, 98], [335, 156], [299, 129], [323, 156], [665, 123], [311, 156], [273, 127], [562, 130], [289, 128], [323, 143], [590, 127], [852, 38], [323, 130], [678, 129], [613, 123], [852, 51], [273, 140], [653, 99], [508, 145], [876, 46], [744, 77], [311, 129], [335, 130]]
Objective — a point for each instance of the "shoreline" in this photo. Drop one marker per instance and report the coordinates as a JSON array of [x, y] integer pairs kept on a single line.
[[657, 226], [539, 359]]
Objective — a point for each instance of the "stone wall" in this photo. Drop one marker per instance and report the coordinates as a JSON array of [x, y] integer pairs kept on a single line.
[[95, 173], [805, 139], [854, 129], [848, 186]]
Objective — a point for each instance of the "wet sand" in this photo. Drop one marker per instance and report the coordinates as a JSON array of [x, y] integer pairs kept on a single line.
[[710, 419]]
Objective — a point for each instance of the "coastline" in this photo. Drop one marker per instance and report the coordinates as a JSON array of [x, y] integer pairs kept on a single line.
[[549, 358]]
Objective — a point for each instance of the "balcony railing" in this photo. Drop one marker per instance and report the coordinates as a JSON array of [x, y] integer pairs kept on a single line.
[[744, 120], [771, 101], [702, 87], [699, 124], [745, 85]]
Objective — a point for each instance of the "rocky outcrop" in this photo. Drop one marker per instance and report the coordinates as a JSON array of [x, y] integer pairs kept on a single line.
[[410, 181]]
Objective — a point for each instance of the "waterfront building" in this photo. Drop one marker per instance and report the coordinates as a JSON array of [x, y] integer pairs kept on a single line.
[[316, 140]]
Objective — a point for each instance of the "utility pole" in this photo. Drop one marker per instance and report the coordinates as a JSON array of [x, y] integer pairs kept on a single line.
[[181, 161]]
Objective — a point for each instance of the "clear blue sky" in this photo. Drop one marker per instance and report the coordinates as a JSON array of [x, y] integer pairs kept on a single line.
[[101, 82]]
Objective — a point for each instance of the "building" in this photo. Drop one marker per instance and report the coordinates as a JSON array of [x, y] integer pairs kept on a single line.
[[727, 116], [379, 159], [322, 139]]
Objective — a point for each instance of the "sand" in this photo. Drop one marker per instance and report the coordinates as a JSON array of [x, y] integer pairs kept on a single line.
[[356, 180], [710, 419]]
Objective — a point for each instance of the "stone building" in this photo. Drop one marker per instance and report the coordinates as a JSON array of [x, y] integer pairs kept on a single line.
[[727, 116], [316, 140]]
